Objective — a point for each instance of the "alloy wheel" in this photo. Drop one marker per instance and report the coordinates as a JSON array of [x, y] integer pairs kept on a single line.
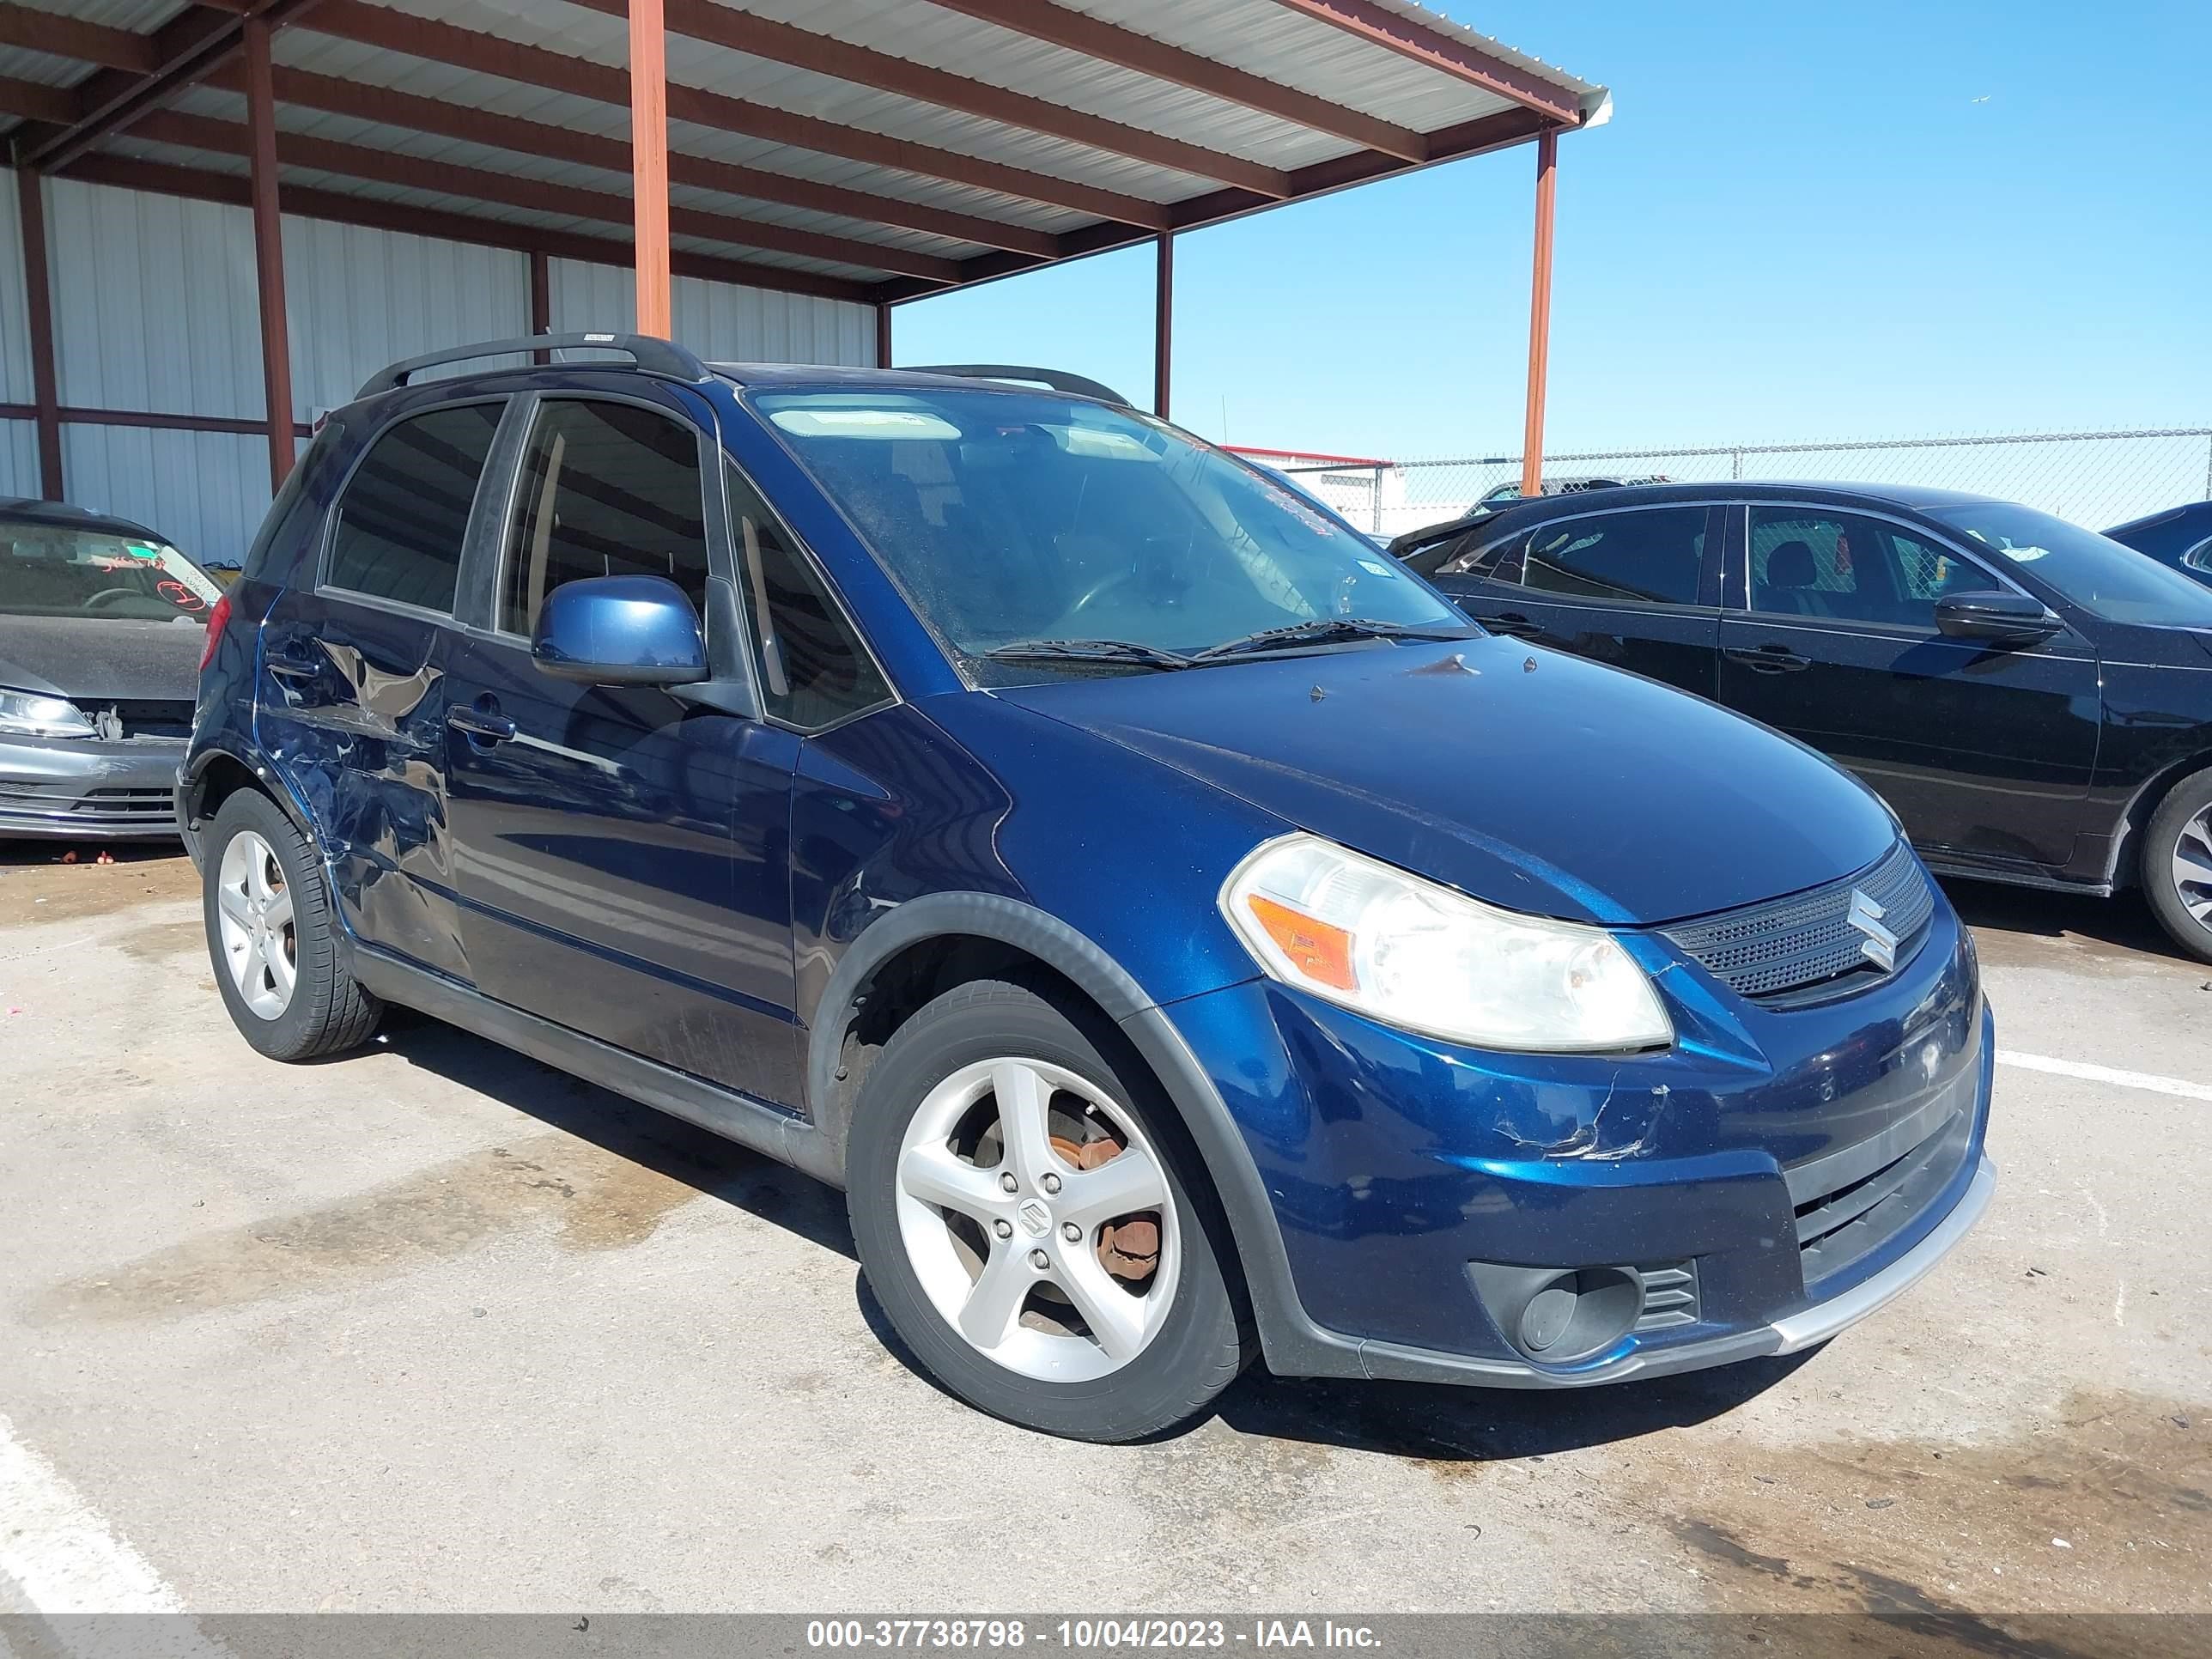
[[254, 908], [2192, 866], [1038, 1219]]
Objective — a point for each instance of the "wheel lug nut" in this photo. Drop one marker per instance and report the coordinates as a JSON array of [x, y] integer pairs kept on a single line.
[[1071, 1233], [1007, 1183], [1050, 1184], [1039, 1258], [1004, 1229]]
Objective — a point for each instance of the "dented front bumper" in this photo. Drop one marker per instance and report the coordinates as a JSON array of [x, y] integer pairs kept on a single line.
[[85, 789], [1769, 1178]]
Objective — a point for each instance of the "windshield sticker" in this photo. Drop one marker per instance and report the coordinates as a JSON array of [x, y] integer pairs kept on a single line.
[[1375, 567], [140, 550], [180, 595], [2025, 555]]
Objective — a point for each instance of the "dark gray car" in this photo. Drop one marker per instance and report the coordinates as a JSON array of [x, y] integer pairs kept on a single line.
[[101, 627]]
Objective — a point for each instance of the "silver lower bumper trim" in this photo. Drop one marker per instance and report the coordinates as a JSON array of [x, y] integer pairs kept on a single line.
[[1823, 1320]]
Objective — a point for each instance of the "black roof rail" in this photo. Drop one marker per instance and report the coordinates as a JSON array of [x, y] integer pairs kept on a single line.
[[651, 356], [1058, 379]]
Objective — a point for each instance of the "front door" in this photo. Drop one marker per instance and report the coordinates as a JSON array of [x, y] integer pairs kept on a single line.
[[350, 703], [1980, 750], [623, 852], [1630, 587]]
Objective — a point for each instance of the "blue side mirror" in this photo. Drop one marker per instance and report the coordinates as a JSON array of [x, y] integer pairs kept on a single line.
[[620, 630]]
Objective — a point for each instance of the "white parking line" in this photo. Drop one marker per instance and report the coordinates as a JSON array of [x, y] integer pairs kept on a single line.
[[57, 1547], [2155, 1084]]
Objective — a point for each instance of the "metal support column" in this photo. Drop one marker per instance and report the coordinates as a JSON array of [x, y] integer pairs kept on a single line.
[[1163, 323], [883, 336], [1540, 317], [648, 136], [45, 395], [269, 249]]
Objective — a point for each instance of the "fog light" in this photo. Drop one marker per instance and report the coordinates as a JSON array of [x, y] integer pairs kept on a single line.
[[1560, 1315]]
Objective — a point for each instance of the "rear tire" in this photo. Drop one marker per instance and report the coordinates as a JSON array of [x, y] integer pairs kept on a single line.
[[272, 938], [2176, 864], [1001, 1260]]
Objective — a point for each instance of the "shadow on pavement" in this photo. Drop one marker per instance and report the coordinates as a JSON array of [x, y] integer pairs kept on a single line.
[[2121, 923], [721, 1169]]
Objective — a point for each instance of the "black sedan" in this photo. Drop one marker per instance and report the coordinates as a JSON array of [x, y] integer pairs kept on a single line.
[[102, 624], [2033, 700], [2180, 536]]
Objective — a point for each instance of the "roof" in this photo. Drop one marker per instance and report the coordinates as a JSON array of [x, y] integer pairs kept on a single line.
[[64, 517], [866, 150], [1918, 498]]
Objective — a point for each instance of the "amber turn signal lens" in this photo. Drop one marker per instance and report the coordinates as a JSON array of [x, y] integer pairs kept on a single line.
[[1320, 952]]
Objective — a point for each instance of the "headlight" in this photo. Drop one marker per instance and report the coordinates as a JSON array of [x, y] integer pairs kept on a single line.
[[29, 715], [1414, 954]]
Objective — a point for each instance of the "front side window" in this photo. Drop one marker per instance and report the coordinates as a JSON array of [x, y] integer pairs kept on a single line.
[[56, 570], [405, 510], [607, 490], [2096, 573], [1846, 567], [1011, 517], [1653, 556], [813, 669]]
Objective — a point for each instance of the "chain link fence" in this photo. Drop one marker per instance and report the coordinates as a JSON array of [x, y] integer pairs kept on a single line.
[[2094, 478]]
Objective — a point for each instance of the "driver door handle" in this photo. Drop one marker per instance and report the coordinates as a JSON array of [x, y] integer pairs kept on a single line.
[[481, 722], [1768, 659]]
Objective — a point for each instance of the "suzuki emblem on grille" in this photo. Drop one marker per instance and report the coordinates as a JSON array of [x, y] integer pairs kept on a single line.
[[1880, 946]]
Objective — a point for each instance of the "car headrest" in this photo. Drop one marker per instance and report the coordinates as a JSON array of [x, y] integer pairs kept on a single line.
[[1790, 565]]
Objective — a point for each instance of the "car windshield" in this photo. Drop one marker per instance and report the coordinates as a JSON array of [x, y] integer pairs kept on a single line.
[[1013, 519], [56, 570], [2095, 572]]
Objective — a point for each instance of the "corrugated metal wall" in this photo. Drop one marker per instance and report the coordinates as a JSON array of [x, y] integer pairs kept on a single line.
[[19, 439], [155, 312]]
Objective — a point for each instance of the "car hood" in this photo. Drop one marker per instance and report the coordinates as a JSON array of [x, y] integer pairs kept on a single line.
[[1536, 781], [90, 658]]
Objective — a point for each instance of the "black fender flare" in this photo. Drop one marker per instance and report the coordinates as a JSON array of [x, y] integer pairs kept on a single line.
[[1292, 1342], [191, 780]]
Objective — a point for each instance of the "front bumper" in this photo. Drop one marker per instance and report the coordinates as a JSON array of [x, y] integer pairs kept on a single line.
[[83, 789], [1772, 1179]]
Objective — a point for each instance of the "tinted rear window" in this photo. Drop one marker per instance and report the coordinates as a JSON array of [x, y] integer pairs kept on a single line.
[[405, 510]]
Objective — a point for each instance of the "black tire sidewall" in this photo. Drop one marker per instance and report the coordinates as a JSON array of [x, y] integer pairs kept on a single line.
[[293, 1034], [2182, 802], [1199, 1349]]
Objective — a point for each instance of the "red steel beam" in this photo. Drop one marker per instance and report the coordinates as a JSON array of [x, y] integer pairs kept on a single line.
[[1163, 323], [36, 101], [785, 43], [648, 148], [448, 43], [883, 336], [414, 173], [389, 107], [1365, 22], [541, 301], [110, 48], [1540, 317], [269, 250], [1109, 43], [201, 185], [31, 208]]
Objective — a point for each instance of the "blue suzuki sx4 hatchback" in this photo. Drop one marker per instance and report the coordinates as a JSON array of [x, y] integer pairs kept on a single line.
[[1184, 936]]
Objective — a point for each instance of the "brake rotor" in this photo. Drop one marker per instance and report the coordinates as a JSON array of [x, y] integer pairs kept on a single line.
[[1128, 1248]]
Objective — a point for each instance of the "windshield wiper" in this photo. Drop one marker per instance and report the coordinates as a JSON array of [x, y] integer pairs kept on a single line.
[[1151, 656], [1321, 630]]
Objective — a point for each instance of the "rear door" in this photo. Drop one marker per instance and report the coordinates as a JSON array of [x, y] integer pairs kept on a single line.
[[621, 851], [1983, 751], [351, 702], [1634, 587]]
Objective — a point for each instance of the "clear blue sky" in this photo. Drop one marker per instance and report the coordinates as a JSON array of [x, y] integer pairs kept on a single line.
[[1805, 222]]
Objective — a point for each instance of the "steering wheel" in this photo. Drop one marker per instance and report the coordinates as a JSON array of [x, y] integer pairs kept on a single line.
[[100, 599]]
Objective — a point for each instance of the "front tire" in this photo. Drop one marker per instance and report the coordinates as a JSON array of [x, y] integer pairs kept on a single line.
[[272, 938], [1031, 1220], [2176, 864]]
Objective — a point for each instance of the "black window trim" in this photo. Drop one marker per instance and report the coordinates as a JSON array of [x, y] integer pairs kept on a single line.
[[1708, 561], [1848, 624], [451, 617], [805, 555]]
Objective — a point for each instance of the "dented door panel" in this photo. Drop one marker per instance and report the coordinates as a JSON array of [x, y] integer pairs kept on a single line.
[[350, 709]]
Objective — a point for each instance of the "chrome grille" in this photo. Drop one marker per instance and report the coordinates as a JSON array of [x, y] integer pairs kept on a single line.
[[1796, 948]]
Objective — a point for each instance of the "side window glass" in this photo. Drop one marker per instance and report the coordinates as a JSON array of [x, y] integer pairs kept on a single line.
[[1843, 568], [813, 670], [1926, 573], [607, 490], [405, 510], [1471, 555], [2199, 557], [1653, 556]]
